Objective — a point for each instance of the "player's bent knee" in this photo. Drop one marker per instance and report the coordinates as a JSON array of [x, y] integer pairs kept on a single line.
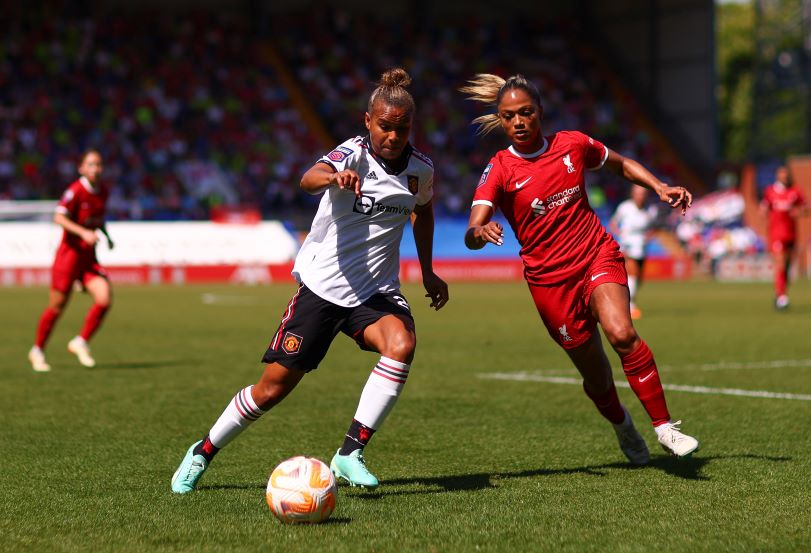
[[274, 385], [621, 337], [400, 347], [266, 395]]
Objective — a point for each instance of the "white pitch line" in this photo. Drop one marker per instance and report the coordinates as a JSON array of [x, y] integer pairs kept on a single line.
[[529, 377], [735, 365], [219, 299]]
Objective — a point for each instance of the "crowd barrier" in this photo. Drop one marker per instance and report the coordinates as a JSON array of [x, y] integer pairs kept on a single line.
[[206, 252]]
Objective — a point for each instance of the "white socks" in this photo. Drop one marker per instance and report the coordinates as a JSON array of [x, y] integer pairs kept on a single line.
[[377, 399], [239, 414], [632, 283], [381, 392]]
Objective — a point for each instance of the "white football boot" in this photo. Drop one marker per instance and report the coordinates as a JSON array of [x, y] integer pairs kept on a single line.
[[37, 358], [673, 441], [631, 441], [78, 346]]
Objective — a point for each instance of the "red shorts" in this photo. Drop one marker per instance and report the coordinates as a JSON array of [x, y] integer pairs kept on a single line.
[[71, 266], [564, 307], [780, 246]]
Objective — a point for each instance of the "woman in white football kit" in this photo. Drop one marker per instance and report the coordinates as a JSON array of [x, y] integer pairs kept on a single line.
[[348, 271], [632, 222]]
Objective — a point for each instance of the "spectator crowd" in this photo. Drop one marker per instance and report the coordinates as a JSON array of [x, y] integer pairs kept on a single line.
[[174, 101]]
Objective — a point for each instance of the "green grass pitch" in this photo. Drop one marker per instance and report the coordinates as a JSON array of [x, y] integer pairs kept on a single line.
[[466, 463]]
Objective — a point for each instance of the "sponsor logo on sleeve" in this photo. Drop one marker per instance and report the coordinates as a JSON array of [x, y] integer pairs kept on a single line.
[[339, 154], [485, 174], [413, 183]]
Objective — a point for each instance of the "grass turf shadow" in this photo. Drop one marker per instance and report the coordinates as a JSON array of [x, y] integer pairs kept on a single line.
[[688, 469]]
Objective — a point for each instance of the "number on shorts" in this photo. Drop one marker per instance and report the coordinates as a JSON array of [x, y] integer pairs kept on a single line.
[[401, 301]]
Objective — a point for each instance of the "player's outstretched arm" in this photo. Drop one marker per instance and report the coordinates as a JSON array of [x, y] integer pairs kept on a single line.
[[629, 169], [481, 230], [321, 176], [422, 222]]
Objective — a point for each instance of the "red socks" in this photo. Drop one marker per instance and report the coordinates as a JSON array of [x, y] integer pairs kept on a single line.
[[780, 281], [608, 404], [45, 326], [93, 320], [640, 370]]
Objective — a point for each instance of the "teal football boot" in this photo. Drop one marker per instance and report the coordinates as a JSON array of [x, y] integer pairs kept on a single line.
[[189, 472], [352, 468]]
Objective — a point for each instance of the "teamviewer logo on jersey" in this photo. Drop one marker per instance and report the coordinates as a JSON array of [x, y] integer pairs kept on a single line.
[[364, 205]]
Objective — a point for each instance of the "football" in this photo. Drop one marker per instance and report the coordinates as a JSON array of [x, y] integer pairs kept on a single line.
[[301, 489]]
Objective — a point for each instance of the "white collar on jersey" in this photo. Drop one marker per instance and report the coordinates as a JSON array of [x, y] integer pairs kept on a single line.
[[533, 154], [86, 183]]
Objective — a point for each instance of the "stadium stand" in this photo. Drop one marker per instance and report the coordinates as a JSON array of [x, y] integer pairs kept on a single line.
[[191, 112]]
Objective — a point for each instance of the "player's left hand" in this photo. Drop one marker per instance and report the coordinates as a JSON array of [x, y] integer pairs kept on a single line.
[[437, 290], [677, 196]]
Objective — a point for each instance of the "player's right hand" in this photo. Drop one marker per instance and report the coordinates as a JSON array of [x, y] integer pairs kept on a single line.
[[492, 232], [90, 236], [347, 180]]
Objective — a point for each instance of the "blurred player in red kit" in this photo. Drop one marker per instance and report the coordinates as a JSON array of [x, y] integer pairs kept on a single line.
[[782, 203], [574, 268], [80, 213]]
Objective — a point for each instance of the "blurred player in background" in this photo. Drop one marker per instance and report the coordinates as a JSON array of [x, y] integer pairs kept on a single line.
[[631, 223], [782, 203], [348, 271], [80, 213], [574, 268]]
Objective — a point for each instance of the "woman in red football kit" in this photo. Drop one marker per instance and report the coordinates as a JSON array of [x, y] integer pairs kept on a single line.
[[782, 204], [80, 213], [574, 269]]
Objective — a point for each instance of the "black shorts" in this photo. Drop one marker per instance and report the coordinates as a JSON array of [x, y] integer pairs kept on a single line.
[[310, 324]]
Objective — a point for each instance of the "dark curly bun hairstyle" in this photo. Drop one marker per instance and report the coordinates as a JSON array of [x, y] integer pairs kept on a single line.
[[391, 90]]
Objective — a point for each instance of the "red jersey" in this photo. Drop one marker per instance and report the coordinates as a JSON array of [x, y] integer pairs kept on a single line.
[[83, 204], [543, 197], [780, 200]]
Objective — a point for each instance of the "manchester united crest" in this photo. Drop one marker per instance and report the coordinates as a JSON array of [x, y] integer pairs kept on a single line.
[[413, 183], [291, 343]]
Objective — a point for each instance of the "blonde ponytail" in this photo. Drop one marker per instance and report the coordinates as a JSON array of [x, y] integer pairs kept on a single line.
[[488, 89]]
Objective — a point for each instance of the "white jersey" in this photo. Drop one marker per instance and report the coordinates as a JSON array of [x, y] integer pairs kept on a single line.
[[353, 249], [633, 224]]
